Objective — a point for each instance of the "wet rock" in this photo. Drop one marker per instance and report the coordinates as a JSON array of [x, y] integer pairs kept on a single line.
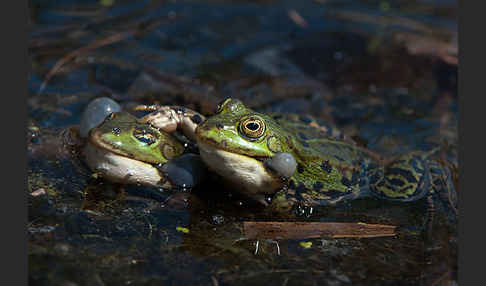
[[272, 61]]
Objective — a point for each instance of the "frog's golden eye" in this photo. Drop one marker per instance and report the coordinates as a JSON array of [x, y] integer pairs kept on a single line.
[[252, 127], [145, 136]]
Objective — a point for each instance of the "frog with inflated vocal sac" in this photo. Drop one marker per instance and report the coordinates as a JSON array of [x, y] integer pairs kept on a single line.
[[124, 150], [288, 157]]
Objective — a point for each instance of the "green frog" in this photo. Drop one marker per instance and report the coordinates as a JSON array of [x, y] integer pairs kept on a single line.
[[124, 150], [285, 159]]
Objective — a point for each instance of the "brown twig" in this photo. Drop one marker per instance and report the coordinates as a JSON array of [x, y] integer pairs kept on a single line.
[[302, 230]]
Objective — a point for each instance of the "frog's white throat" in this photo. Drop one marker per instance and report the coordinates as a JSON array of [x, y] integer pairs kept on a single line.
[[246, 174]]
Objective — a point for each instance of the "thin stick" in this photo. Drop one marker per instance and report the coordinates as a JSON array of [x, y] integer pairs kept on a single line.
[[302, 230]]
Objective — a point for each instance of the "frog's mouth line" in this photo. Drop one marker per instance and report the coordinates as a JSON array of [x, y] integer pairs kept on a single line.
[[205, 145], [220, 146]]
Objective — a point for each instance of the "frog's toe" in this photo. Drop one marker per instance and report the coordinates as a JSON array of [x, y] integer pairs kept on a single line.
[[95, 113], [283, 164], [185, 171]]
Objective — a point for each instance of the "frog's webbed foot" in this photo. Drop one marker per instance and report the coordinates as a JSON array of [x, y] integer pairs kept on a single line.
[[443, 189], [283, 164], [172, 118], [430, 215]]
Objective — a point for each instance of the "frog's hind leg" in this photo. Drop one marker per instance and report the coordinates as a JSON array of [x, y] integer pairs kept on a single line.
[[442, 198], [413, 176], [407, 178]]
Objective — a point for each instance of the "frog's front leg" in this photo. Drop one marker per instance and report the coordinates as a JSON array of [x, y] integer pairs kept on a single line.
[[172, 118]]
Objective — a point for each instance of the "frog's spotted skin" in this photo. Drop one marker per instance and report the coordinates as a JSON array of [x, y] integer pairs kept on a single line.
[[307, 127], [236, 142], [406, 178]]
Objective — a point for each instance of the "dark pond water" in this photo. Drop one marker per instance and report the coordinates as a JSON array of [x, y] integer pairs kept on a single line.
[[384, 72]]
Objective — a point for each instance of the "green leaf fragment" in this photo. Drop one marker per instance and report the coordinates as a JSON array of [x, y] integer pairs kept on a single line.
[[306, 244], [182, 229]]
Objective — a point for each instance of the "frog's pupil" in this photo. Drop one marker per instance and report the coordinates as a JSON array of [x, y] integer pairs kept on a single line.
[[253, 126]]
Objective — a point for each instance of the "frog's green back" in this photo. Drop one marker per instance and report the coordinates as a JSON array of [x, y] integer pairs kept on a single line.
[[305, 124], [329, 169]]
